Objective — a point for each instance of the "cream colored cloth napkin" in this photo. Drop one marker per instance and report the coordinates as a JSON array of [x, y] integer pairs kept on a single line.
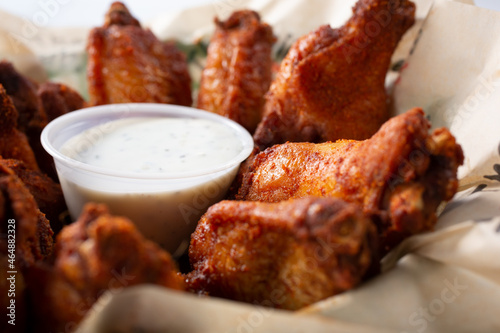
[[444, 281]]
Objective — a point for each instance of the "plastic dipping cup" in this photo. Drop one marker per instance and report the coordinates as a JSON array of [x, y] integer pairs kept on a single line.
[[165, 207]]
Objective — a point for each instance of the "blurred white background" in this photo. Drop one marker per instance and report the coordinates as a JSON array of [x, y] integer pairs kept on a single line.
[[91, 12]]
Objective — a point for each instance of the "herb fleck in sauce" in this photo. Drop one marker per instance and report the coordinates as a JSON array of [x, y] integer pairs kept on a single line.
[[155, 145]]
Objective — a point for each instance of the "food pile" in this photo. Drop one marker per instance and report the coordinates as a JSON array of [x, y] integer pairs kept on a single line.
[[334, 182]]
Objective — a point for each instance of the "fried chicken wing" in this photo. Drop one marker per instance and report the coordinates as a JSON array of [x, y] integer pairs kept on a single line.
[[238, 70], [26, 237], [97, 253], [331, 84], [33, 104], [32, 118], [33, 233], [47, 193], [400, 174], [58, 99], [129, 64], [13, 143], [285, 255]]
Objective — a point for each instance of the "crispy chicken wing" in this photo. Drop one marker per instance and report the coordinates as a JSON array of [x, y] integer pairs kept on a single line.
[[285, 255], [129, 64], [13, 142], [47, 193], [331, 84], [400, 174], [33, 233], [26, 237], [58, 99], [36, 105], [97, 253], [238, 70], [32, 118]]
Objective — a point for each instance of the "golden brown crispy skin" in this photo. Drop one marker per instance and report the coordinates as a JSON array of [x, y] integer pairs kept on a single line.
[[285, 255], [238, 70], [331, 83], [129, 64], [47, 193], [97, 253], [401, 174], [13, 143], [58, 99]]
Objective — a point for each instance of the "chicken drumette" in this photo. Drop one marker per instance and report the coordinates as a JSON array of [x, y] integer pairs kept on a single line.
[[97, 253], [285, 255], [401, 174], [331, 85]]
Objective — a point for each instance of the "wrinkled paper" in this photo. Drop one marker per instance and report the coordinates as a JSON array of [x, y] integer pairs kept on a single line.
[[444, 281]]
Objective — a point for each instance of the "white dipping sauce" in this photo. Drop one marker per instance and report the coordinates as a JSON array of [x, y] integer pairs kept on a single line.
[[155, 145], [166, 210]]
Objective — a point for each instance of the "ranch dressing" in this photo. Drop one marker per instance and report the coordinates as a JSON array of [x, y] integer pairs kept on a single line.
[[155, 145], [164, 209]]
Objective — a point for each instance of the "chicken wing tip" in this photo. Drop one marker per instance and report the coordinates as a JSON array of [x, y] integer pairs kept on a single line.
[[118, 14]]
